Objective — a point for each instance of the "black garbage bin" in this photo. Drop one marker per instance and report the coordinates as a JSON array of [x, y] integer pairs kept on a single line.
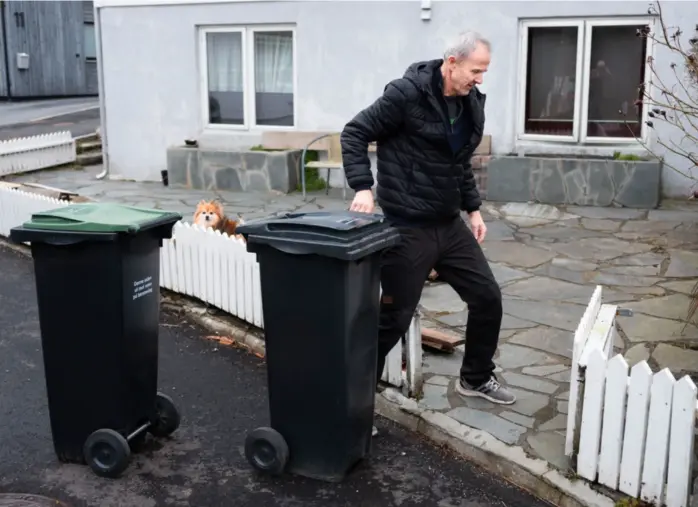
[[97, 270], [320, 275]]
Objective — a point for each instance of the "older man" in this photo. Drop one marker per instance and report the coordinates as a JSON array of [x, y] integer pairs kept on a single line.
[[427, 125]]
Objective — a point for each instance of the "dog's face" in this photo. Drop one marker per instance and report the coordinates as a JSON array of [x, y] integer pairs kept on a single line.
[[208, 214]]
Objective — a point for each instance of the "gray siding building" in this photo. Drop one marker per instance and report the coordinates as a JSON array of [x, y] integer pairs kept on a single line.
[[224, 72], [47, 49]]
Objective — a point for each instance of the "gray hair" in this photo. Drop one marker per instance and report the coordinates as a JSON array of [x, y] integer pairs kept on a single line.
[[463, 45]]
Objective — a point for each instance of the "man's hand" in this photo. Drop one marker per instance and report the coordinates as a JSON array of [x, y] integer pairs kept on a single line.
[[478, 226], [363, 202]]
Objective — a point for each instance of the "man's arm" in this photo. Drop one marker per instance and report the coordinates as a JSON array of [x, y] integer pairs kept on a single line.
[[469, 195], [380, 119]]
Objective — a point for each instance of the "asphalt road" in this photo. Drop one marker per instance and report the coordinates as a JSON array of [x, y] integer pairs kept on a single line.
[[20, 111], [222, 395], [78, 123]]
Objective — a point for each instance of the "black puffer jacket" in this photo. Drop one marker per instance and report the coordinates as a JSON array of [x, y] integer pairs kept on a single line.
[[420, 178]]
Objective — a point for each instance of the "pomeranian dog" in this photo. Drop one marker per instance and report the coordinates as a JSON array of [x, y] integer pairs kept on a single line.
[[211, 214]]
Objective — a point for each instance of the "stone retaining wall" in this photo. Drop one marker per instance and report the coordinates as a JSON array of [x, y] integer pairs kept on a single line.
[[255, 171], [583, 182], [479, 164], [261, 171]]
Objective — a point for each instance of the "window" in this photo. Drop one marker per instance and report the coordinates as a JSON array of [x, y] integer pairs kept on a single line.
[[90, 43], [249, 76], [581, 81]]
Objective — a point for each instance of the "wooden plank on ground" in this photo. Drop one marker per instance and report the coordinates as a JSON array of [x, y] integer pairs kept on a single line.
[[439, 340], [46, 187], [53, 192]]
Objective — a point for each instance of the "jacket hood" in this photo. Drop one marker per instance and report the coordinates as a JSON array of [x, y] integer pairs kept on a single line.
[[422, 73]]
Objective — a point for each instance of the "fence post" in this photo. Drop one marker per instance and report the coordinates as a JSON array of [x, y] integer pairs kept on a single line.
[[413, 345]]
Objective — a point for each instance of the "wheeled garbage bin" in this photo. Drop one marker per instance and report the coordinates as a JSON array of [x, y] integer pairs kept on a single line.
[[97, 269], [320, 295]]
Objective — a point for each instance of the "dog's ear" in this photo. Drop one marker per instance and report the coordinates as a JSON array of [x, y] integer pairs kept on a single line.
[[218, 207]]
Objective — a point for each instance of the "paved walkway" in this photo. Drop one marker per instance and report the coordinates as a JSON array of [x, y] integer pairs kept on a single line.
[[221, 394], [548, 261]]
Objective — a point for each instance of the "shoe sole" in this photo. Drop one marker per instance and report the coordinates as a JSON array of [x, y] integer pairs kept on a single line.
[[477, 394]]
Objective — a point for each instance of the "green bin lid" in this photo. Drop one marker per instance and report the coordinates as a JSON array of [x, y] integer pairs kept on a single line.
[[100, 217]]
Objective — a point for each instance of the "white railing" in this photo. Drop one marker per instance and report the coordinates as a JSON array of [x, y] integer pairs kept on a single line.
[[218, 270], [409, 352], [214, 268], [25, 154], [632, 433], [16, 207]]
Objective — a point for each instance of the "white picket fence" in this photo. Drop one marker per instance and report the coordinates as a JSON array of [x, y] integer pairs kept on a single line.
[[214, 268], [218, 269], [632, 433], [16, 207], [25, 154]]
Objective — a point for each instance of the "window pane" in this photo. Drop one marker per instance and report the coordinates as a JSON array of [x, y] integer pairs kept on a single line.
[[617, 69], [273, 73], [90, 43], [550, 80], [225, 90]]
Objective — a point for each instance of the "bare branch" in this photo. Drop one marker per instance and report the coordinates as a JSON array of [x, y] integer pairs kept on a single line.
[[675, 106]]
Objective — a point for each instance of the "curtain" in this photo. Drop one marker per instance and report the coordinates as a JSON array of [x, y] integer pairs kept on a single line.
[[273, 62], [224, 53]]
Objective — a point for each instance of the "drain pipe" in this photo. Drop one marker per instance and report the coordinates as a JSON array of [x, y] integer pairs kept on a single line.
[[100, 90], [3, 28]]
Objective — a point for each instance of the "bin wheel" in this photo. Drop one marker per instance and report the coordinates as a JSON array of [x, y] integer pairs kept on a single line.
[[267, 450], [107, 452], [167, 417]]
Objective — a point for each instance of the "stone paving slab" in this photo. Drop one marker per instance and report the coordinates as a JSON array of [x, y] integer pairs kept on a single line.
[[547, 260]]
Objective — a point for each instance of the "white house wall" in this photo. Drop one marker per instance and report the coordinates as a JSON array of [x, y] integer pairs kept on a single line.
[[346, 52]]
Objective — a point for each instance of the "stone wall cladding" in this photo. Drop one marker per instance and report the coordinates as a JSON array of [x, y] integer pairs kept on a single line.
[[257, 171], [254, 171], [479, 164], [582, 182]]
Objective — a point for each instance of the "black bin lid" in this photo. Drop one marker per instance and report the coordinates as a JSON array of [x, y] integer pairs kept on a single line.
[[344, 235]]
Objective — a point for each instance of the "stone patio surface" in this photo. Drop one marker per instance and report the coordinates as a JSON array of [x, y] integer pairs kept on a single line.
[[548, 261]]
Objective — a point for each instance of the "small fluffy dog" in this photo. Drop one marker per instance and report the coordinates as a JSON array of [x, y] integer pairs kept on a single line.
[[211, 214]]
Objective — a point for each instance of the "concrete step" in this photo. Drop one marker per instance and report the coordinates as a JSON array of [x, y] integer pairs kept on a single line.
[[86, 146], [87, 138], [89, 158]]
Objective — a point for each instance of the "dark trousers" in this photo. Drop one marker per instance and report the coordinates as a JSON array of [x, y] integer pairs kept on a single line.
[[454, 252]]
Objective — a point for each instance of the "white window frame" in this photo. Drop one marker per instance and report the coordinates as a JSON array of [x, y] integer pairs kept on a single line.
[[581, 91], [248, 82]]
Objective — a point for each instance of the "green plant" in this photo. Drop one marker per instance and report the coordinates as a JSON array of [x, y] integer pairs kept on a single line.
[[313, 180], [625, 156], [631, 502], [570, 474], [259, 147]]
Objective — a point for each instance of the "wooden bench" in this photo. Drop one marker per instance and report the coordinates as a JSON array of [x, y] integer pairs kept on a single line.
[[319, 141], [329, 142]]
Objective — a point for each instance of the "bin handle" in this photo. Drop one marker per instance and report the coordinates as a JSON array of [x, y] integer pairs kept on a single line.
[[292, 249], [62, 241]]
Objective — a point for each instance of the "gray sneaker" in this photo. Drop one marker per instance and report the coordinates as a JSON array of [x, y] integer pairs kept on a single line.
[[491, 390]]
